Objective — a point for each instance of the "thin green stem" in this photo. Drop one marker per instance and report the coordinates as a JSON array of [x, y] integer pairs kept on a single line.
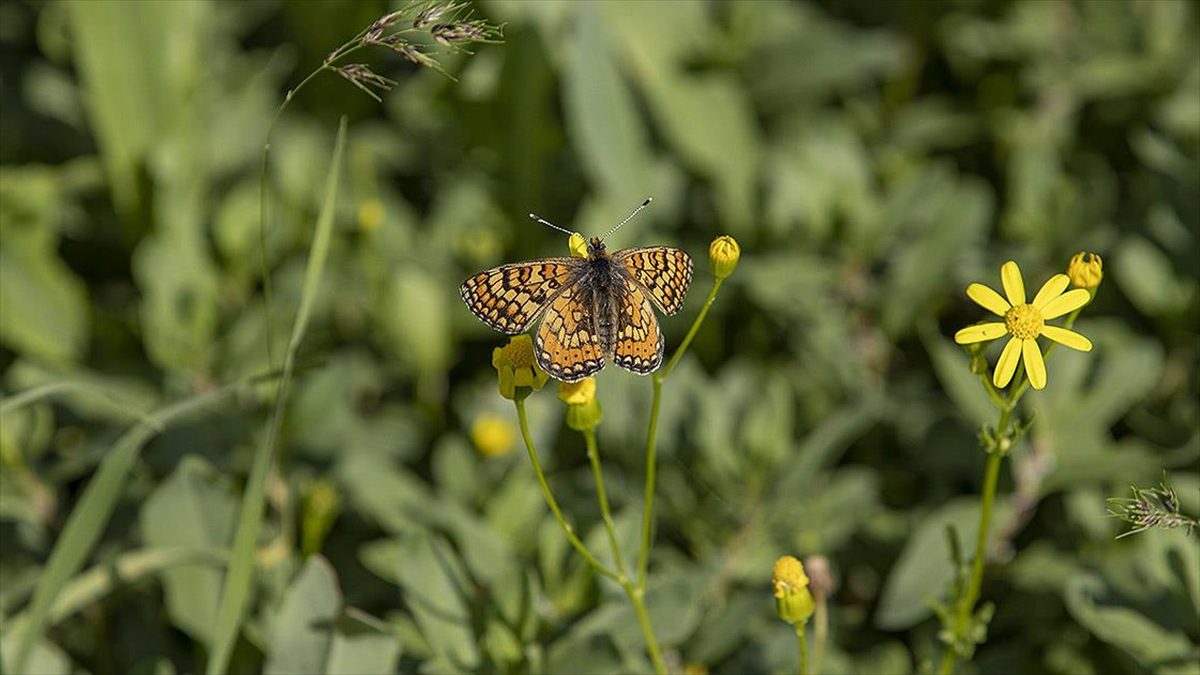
[[610, 525], [637, 597], [636, 594], [643, 563], [346, 49], [652, 435], [802, 642], [600, 568]]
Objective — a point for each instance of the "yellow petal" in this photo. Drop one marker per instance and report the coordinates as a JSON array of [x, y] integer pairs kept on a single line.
[[980, 332], [1007, 365], [1067, 338], [988, 299], [1051, 289], [1067, 302], [1035, 366], [1014, 287]]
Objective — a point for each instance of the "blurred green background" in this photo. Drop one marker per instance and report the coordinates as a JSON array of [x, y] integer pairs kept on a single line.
[[872, 158]]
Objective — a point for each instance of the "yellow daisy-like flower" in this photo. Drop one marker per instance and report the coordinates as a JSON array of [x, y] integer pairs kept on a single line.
[[1086, 270], [723, 255], [517, 369], [493, 435], [1025, 322]]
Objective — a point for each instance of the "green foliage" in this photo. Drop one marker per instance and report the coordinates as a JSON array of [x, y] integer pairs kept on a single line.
[[872, 159]]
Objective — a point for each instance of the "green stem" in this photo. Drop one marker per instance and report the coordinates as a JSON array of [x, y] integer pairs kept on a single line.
[[820, 631], [600, 568], [345, 50], [803, 645], [652, 435], [610, 525], [635, 594]]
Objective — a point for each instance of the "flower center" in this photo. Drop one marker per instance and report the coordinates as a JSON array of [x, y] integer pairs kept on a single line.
[[1024, 322]]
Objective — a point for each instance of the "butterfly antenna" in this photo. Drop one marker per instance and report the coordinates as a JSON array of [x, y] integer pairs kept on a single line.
[[627, 218], [549, 224]]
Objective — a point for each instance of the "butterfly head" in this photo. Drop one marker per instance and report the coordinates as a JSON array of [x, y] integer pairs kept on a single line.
[[595, 247]]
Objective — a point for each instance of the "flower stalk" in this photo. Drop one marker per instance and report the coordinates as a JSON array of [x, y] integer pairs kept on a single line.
[[1025, 322]]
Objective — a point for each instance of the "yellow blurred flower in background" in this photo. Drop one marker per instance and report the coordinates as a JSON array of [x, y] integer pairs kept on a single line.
[[578, 246], [493, 435], [1025, 322]]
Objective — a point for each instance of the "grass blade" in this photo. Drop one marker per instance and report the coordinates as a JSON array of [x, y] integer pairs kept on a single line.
[[235, 597], [88, 519]]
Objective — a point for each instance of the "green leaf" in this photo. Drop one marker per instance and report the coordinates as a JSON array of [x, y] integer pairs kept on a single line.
[[1122, 627], [362, 645], [924, 567], [88, 519], [302, 634], [601, 116], [434, 586], [190, 509], [43, 306]]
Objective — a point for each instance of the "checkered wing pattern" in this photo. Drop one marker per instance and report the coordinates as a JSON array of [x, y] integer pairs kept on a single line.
[[567, 345], [664, 271], [510, 298], [638, 346]]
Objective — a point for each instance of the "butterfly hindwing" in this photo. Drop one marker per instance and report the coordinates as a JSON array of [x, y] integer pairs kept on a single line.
[[567, 345], [510, 298], [638, 343], [664, 271]]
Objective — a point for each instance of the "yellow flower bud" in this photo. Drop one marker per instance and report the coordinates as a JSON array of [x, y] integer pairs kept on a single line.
[[583, 410], [577, 393], [370, 215], [793, 601], [1086, 270], [320, 506], [723, 254], [518, 371], [578, 246], [492, 435]]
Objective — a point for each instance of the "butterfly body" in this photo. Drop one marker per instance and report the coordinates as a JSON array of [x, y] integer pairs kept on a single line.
[[593, 309]]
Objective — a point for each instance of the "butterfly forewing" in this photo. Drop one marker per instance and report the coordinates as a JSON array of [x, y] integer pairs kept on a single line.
[[510, 298], [638, 346], [567, 345], [664, 271]]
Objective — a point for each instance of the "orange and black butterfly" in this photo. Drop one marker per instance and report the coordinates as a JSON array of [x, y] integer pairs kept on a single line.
[[592, 308]]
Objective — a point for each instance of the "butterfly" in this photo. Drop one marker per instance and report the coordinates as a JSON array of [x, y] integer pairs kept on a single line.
[[592, 309]]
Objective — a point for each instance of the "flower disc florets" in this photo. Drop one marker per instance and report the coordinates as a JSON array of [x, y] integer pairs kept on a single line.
[[1024, 322]]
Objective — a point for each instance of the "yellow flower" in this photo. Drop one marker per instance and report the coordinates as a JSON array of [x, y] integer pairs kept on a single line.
[[577, 393], [492, 435], [1025, 322], [578, 246], [370, 215], [583, 410], [518, 370], [320, 507], [793, 601], [723, 255], [1086, 270]]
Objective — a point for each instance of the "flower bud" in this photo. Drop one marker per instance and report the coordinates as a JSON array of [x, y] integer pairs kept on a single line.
[[1086, 270], [320, 506], [517, 369], [793, 601], [723, 254], [583, 410], [578, 246]]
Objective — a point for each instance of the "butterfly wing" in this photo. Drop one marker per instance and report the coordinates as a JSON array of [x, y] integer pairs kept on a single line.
[[567, 345], [510, 298], [665, 273], [638, 343]]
